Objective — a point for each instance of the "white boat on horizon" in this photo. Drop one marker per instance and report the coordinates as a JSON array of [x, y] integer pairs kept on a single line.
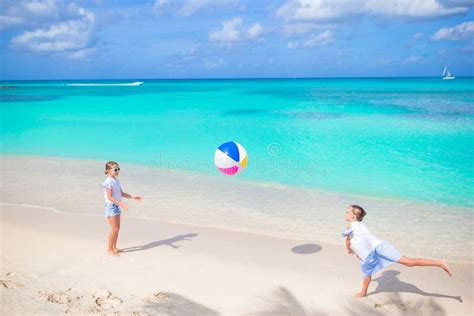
[[131, 84], [447, 75]]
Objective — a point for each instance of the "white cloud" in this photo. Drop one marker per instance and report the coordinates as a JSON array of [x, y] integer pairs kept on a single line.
[[50, 26], [159, 5], [192, 6], [461, 31], [255, 31], [17, 13], [327, 10], [315, 9], [189, 7], [413, 8], [43, 8], [71, 35], [233, 31], [83, 53], [321, 39], [229, 33]]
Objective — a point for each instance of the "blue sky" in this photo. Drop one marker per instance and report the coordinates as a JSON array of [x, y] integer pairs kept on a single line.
[[47, 39]]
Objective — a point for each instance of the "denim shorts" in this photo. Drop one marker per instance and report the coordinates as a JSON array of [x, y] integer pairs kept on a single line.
[[112, 209], [382, 256]]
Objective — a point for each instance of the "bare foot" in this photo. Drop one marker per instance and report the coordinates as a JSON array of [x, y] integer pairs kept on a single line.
[[116, 250], [112, 253], [360, 295], [446, 268]]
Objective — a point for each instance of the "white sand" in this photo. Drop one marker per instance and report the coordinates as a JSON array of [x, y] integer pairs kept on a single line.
[[53, 262]]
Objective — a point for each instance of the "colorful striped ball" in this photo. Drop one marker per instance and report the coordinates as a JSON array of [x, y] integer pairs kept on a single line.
[[230, 158]]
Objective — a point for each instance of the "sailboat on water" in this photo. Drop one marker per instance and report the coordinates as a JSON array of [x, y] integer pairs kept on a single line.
[[447, 74]]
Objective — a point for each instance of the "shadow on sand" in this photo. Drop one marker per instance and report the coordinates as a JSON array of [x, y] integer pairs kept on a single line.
[[165, 242], [389, 282], [283, 302], [306, 249], [172, 304]]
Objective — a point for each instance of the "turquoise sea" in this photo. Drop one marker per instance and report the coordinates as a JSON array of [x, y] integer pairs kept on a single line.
[[398, 138]]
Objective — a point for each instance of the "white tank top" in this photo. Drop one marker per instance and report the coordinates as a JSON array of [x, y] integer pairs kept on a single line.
[[362, 241]]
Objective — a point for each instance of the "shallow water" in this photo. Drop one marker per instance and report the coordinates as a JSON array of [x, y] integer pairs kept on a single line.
[[409, 139]]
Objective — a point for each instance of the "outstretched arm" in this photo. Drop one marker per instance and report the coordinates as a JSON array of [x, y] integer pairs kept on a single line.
[[129, 196]]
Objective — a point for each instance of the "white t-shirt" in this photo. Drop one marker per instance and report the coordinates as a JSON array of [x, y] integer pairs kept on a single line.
[[362, 241], [114, 185]]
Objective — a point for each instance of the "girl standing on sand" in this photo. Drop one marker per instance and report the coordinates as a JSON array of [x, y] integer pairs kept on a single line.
[[376, 254], [113, 201]]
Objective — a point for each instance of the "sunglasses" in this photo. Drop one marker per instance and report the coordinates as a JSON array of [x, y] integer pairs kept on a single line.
[[116, 169]]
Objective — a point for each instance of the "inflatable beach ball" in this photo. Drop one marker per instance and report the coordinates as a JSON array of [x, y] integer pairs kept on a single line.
[[230, 158]]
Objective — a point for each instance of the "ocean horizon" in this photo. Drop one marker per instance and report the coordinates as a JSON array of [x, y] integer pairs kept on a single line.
[[2, 81]]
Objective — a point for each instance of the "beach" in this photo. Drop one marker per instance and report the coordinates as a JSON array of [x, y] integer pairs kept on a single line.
[[54, 260], [266, 158]]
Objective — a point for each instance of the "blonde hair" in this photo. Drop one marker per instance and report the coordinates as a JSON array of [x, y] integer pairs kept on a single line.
[[109, 166], [359, 212]]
